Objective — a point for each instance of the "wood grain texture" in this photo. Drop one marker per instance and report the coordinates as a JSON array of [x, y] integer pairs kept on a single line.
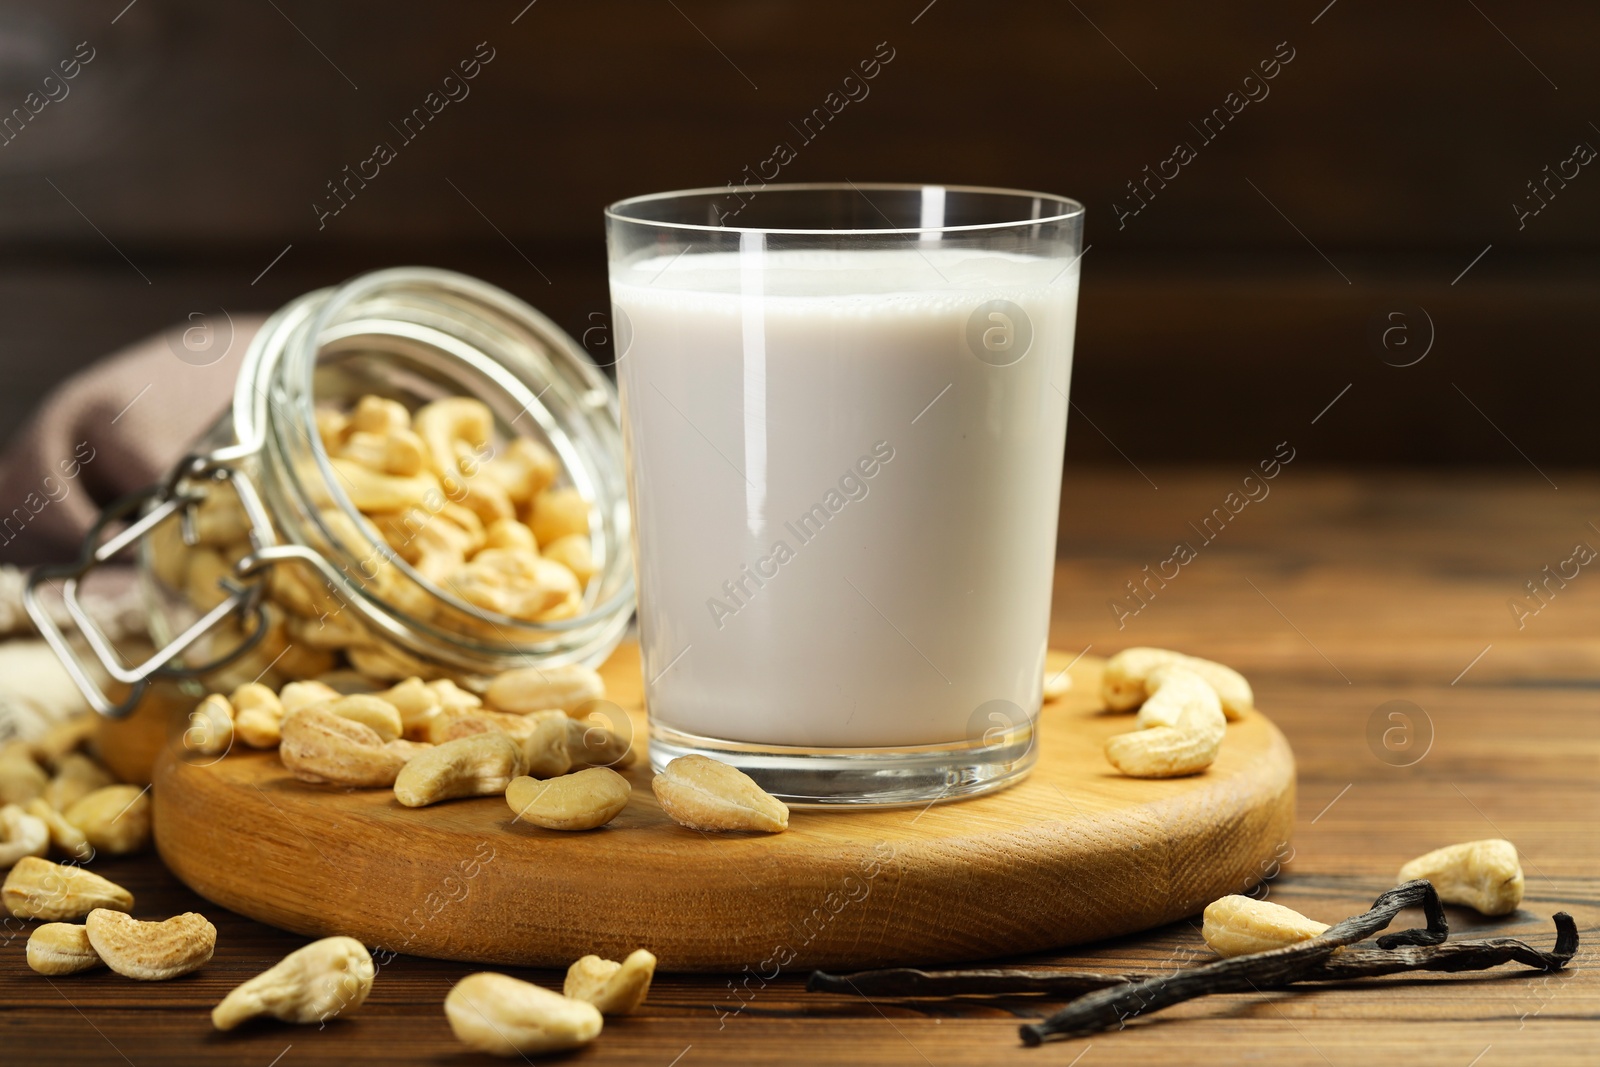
[[1075, 852], [1400, 579], [1396, 143]]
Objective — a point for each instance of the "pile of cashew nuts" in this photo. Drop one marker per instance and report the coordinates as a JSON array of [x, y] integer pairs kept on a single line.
[[487, 523]]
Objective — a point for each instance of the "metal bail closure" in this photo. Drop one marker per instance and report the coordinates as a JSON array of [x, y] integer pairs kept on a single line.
[[194, 479]]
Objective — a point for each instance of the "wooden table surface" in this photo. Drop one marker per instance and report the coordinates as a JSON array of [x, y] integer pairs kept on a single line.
[[1336, 594]]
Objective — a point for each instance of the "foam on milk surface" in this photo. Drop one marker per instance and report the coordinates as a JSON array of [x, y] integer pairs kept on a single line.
[[844, 516]]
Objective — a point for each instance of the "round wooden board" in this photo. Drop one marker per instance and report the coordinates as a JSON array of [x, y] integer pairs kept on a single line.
[[1073, 853]]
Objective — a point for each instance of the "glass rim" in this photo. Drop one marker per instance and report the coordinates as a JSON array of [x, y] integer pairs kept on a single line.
[[618, 211]]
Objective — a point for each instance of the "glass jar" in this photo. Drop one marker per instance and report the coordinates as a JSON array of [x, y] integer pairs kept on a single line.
[[257, 561]]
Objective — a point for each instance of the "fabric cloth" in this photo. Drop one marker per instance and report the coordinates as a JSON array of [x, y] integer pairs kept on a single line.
[[118, 426]]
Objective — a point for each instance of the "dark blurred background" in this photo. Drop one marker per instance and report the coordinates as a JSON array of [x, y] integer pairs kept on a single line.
[[1384, 171]]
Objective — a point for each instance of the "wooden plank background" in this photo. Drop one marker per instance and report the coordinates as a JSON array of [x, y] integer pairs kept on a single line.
[[1387, 155]]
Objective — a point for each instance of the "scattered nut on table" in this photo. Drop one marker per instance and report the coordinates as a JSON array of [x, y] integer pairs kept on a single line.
[[1181, 728], [498, 1014], [76, 777], [61, 948], [704, 794], [310, 985], [21, 835], [21, 779], [65, 838], [614, 988], [115, 819], [1238, 925], [582, 800], [151, 951], [63, 738], [1483, 875], [39, 889]]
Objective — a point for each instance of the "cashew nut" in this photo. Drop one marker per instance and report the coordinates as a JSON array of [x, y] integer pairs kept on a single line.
[[116, 819], [220, 519], [452, 695], [257, 715], [1483, 875], [1239, 925], [377, 414], [524, 468], [61, 948], [369, 710], [591, 744], [371, 490], [547, 747], [21, 835], [203, 583], [443, 423], [151, 951], [1126, 681], [21, 779], [498, 1014], [513, 582], [297, 696], [76, 777], [579, 801], [574, 553], [319, 746], [614, 988], [64, 738], [706, 794], [332, 425], [509, 533], [526, 689], [457, 722], [386, 663], [298, 589], [558, 513], [1182, 727], [485, 498], [168, 555], [210, 729], [39, 889], [397, 452], [64, 837], [417, 704], [309, 985], [477, 766]]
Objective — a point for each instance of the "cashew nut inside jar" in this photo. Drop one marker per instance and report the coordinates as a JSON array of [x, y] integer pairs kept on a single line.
[[419, 475]]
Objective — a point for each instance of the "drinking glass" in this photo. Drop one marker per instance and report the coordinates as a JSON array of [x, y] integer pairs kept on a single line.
[[844, 411]]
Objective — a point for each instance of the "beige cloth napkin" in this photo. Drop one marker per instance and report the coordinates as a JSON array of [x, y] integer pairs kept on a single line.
[[117, 426]]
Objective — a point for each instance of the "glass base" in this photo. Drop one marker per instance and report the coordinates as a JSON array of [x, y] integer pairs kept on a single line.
[[864, 778]]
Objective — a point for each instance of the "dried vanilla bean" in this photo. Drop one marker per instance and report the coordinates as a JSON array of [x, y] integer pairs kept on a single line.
[[1106, 1008], [1474, 955], [1345, 965], [909, 982]]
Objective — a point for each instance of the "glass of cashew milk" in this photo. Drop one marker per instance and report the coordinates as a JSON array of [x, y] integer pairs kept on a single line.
[[844, 410]]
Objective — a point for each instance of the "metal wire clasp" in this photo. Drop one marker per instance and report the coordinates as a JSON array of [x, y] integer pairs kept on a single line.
[[193, 480]]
